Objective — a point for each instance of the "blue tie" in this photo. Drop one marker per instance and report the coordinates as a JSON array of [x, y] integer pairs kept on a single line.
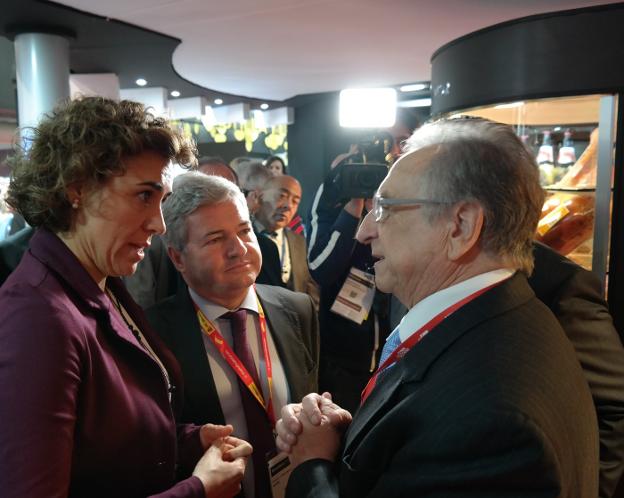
[[392, 342]]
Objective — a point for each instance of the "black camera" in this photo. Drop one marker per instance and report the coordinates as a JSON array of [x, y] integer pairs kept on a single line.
[[359, 180], [375, 148]]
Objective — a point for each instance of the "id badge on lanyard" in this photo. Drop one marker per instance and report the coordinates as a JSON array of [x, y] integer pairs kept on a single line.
[[355, 299]]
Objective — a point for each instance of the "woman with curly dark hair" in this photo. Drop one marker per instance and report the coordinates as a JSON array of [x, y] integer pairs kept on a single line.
[[87, 391]]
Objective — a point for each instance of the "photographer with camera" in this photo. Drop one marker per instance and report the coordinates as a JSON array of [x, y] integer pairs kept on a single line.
[[353, 315]]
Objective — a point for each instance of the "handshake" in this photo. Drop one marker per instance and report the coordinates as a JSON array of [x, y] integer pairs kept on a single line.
[[312, 429], [307, 430]]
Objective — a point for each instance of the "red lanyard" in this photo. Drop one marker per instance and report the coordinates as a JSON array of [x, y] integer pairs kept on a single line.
[[236, 364], [402, 349]]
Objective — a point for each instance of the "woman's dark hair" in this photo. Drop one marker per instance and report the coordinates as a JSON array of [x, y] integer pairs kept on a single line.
[[83, 143], [267, 162]]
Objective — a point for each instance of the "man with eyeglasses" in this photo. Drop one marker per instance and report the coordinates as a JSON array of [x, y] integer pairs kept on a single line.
[[479, 392]]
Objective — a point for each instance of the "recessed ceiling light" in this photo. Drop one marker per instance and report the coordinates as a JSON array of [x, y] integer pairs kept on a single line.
[[264, 106], [218, 101], [416, 87], [175, 93], [141, 82]]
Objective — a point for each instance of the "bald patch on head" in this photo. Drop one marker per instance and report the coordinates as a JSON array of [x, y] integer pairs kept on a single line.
[[218, 169], [284, 181]]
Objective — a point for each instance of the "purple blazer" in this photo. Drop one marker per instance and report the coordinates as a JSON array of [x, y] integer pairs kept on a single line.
[[84, 410]]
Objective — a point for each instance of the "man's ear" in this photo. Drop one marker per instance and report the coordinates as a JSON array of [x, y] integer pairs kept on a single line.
[[176, 258], [466, 222]]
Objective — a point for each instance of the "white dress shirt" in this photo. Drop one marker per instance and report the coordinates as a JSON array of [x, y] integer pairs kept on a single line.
[[284, 253], [437, 302], [279, 239]]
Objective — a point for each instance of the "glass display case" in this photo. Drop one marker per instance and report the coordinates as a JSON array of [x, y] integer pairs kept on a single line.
[[572, 139], [552, 77]]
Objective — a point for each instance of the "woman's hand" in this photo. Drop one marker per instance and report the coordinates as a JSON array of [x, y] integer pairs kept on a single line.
[[209, 433], [222, 467]]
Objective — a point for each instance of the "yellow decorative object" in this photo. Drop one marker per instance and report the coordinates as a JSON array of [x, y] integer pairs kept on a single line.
[[247, 132], [239, 135], [186, 129]]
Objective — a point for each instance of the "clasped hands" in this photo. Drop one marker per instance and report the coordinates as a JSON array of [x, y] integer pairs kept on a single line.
[[311, 429], [222, 466]]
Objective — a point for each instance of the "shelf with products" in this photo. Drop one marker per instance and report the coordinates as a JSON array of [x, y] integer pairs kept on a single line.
[[563, 134]]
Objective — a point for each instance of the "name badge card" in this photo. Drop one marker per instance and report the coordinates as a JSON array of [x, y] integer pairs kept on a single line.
[[279, 471], [355, 299]]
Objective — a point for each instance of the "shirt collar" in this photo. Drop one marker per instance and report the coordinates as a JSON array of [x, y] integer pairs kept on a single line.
[[437, 302], [213, 311], [260, 228]]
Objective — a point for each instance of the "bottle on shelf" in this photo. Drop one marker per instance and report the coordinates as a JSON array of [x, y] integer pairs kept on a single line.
[[546, 159], [583, 173], [566, 156]]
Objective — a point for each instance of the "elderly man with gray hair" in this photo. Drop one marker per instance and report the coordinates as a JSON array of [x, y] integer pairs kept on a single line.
[[478, 392], [245, 350]]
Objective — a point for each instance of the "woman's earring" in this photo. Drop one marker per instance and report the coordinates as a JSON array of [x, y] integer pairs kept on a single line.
[[75, 203]]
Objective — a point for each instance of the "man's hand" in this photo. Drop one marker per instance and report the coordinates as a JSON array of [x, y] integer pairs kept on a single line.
[[320, 440], [233, 448], [353, 150], [315, 408], [355, 207]]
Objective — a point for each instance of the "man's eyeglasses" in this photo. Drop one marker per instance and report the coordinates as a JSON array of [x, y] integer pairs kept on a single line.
[[381, 205]]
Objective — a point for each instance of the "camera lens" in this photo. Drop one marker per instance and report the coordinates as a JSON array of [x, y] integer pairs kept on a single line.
[[367, 179]]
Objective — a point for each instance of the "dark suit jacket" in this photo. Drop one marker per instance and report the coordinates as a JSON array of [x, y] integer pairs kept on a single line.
[[491, 403], [575, 296], [84, 410], [155, 277], [294, 327], [271, 271]]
